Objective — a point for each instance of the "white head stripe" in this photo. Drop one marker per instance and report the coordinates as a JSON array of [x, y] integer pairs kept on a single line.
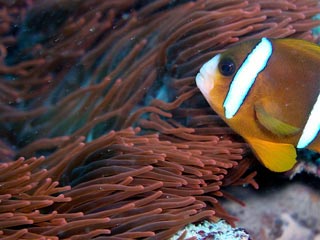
[[312, 127], [255, 62]]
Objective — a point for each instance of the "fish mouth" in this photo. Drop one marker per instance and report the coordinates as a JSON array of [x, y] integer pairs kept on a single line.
[[205, 77], [203, 84]]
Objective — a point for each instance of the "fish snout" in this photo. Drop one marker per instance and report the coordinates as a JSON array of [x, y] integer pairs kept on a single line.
[[205, 77]]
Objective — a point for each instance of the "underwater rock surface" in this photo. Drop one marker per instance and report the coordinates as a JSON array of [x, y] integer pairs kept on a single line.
[[288, 211]]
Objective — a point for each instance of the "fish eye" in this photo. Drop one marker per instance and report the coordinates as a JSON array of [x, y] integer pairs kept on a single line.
[[227, 67]]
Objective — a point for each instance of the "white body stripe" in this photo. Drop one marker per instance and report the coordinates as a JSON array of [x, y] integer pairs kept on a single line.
[[312, 127], [246, 76]]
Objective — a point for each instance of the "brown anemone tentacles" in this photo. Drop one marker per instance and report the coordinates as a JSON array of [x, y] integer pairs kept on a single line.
[[105, 90]]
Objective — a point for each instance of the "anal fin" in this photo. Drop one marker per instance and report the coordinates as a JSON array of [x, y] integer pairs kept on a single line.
[[278, 157]]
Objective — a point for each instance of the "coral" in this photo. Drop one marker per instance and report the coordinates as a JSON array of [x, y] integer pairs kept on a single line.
[[207, 230], [105, 90]]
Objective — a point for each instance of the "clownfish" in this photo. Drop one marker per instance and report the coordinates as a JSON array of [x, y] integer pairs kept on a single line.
[[267, 90]]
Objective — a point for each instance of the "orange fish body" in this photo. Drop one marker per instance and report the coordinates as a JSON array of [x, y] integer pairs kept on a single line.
[[268, 92]]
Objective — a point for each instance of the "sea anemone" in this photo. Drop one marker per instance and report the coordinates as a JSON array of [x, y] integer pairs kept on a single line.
[[105, 91]]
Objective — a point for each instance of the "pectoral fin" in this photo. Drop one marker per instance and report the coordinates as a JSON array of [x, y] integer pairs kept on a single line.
[[266, 116], [278, 157]]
